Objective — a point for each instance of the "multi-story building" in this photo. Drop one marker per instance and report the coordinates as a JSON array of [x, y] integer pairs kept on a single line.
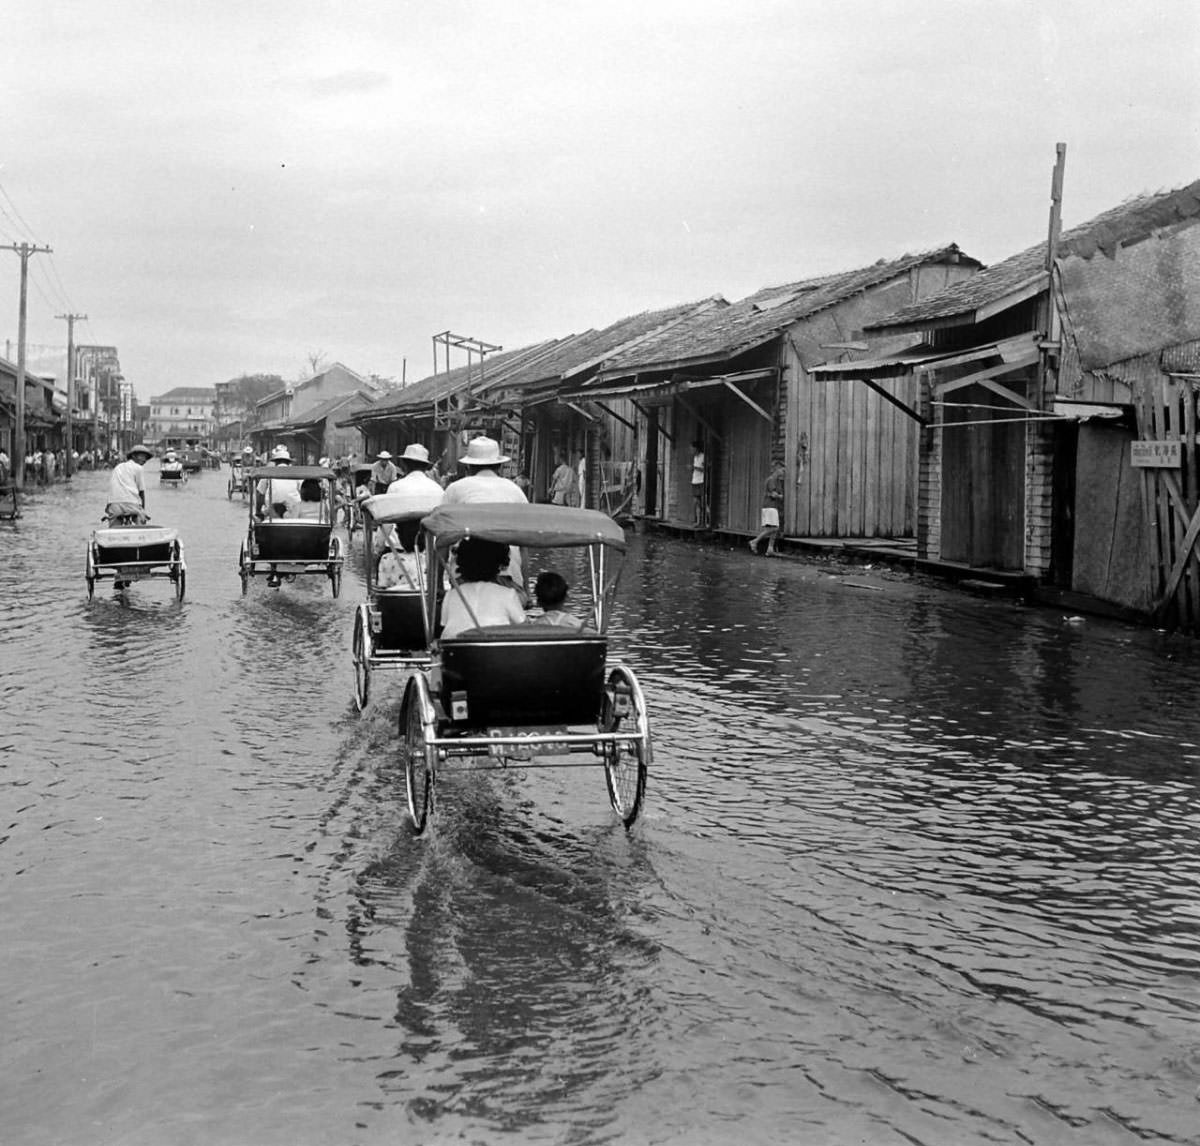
[[183, 416]]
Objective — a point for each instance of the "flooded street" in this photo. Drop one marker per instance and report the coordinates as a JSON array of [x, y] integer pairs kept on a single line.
[[913, 867]]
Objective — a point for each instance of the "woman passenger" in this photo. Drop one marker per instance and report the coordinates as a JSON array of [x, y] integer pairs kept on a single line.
[[479, 599]]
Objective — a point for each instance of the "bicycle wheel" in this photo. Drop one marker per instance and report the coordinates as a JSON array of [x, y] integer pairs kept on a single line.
[[89, 573], [417, 726], [625, 765], [362, 659]]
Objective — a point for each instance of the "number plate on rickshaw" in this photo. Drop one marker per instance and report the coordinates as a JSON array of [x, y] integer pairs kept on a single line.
[[518, 743]]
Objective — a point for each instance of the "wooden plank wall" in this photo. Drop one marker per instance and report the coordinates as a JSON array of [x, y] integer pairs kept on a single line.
[[860, 476], [1166, 411]]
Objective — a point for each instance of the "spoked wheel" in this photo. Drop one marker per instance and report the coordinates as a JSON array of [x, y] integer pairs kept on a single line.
[[417, 726], [244, 569], [624, 710], [335, 565], [89, 573], [180, 571], [229, 489], [362, 659]]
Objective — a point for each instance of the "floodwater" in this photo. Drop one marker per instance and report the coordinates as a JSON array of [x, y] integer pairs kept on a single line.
[[914, 867]]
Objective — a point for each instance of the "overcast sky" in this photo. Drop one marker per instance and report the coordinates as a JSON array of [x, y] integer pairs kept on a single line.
[[231, 188]]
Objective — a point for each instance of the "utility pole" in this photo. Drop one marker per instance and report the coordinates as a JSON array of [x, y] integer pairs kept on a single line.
[[69, 462], [24, 250]]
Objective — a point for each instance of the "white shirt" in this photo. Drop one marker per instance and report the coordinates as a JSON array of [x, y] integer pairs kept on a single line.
[[275, 490], [417, 491], [488, 485], [491, 604], [126, 483]]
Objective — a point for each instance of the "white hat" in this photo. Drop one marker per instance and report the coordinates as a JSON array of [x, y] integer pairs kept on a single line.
[[384, 456], [483, 451], [280, 454], [415, 453]]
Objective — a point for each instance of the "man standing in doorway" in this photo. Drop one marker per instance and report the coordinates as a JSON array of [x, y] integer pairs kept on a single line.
[[698, 515]]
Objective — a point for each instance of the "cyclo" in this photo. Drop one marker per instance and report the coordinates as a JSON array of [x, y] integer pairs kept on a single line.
[[283, 539], [127, 551], [238, 482], [528, 693], [389, 627]]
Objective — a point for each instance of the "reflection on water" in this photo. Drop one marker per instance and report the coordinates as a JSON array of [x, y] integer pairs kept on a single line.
[[913, 867]]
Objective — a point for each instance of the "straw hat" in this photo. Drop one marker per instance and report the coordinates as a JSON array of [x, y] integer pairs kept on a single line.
[[384, 456], [140, 449], [483, 451], [280, 454]]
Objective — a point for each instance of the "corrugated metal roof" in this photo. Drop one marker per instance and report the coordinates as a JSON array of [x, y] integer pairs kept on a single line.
[[727, 331], [1126, 223]]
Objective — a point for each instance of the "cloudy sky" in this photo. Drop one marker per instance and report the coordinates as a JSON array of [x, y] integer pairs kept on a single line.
[[235, 188]]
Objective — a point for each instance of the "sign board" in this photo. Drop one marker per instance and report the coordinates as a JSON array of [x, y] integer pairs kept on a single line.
[[1160, 455]]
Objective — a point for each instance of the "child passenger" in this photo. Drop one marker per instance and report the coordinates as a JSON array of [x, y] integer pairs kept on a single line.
[[551, 592]]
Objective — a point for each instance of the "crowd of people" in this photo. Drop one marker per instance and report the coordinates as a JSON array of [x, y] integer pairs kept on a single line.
[[44, 466]]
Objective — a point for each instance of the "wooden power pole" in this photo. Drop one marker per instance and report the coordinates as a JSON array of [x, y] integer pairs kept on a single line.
[[69, 461], [24, 250]]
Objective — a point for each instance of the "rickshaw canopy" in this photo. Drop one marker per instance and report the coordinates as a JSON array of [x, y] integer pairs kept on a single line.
[[393, 508], [535, 526], [294, 473]]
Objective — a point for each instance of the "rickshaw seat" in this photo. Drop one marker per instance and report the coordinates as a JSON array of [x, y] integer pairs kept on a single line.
[[292, 540], [133, 544], [520, 675], [401, 619]]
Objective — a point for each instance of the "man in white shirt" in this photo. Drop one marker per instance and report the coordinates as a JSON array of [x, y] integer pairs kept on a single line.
[[279, 495], [415, 484], [127, 486], [383, 473], [484, 482]]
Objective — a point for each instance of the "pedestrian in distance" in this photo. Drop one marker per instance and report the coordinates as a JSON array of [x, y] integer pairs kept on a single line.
[[383, 472], [698, 482], [772, 504]]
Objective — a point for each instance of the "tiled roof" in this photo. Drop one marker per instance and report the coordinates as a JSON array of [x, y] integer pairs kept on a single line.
[[187, 394], [1131, 220], [723, 332], [541, 363], [322, 410]]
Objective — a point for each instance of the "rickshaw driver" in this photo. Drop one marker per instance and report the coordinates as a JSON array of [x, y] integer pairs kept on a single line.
[[484, 482], [284, 492], [127, 488]]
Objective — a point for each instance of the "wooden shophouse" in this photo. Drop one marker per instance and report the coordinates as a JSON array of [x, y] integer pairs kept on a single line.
[[735, 377], [1057, 406]]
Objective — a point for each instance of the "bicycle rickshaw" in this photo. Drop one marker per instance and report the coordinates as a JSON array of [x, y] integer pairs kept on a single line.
[[282, 541], [360, 475], [528, 693], [238, 482], [127, 553], [390, 625], [171, 471]]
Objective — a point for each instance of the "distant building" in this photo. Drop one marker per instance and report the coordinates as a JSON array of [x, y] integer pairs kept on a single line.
[[184, 414]]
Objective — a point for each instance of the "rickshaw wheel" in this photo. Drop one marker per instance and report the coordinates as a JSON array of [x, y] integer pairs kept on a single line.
[[362, 661], [229, 489], [180, 574], [335, 565], [90, 573], [243, 571], [624, 710], [417, 724]]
